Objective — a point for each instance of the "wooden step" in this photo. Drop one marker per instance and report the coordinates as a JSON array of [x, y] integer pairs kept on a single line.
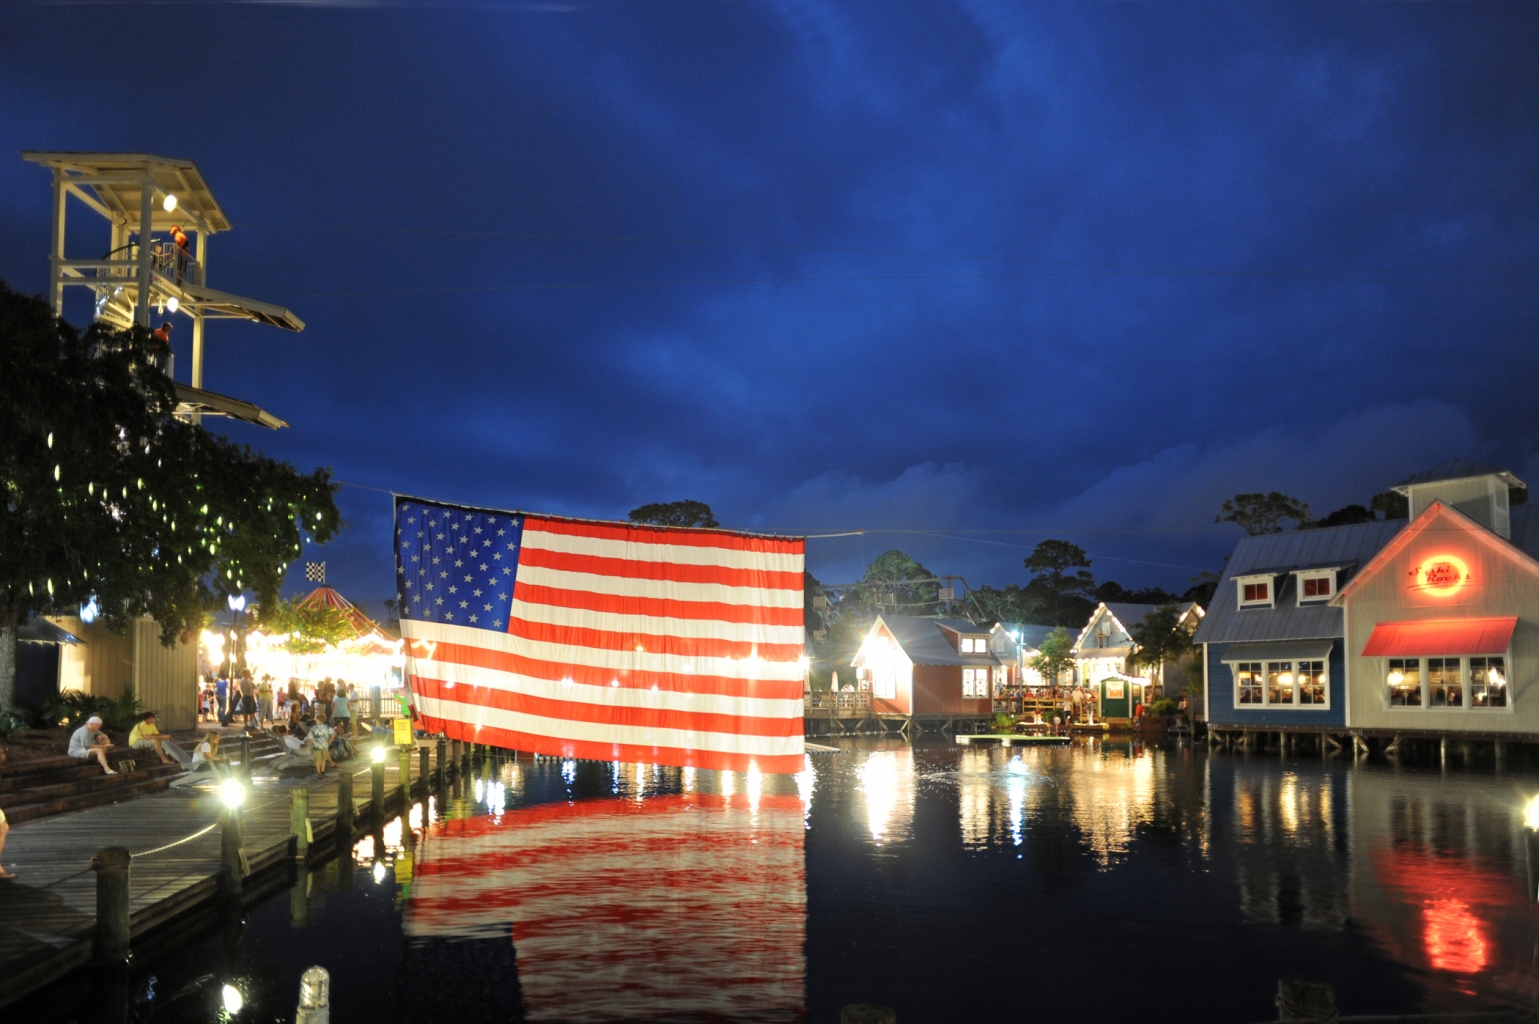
[[94, 783], [95, 798]]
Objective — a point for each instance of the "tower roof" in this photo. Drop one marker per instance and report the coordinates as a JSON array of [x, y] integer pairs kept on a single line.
[[117, 182]]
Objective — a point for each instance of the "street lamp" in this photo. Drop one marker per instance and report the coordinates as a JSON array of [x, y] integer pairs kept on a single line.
[[237, 603]]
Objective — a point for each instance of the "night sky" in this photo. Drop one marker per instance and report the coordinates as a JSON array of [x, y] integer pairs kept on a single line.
[[1047, 269]]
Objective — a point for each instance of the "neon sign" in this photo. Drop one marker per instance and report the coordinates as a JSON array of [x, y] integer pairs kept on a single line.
[[1440, 575]]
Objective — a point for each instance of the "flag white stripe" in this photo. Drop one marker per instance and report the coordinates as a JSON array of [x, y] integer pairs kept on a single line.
[[480, 716], [596, 657], [607, 696], [626, 586], [681, 554], [658, 625]]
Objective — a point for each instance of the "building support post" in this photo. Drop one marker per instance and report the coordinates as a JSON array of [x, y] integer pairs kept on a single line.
[[146, 215], [56, 252]]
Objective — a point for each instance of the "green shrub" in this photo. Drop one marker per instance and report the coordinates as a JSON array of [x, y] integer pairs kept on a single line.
[[13, 721], [1003, 722], [1163, 708], [71, 707]]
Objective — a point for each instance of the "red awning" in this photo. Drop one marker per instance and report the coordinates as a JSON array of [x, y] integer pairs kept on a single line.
[[1440, 636]]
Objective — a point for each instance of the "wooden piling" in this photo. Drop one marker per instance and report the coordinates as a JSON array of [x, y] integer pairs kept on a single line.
[[112, 906], [299, 821], [1301, 999], [345, 809], [403, 769], [424, 769], [443, 761], [867, 1013], [232, 855], [377, 789]]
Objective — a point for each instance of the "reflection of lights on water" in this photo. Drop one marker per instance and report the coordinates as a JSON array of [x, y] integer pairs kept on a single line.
[[639, 780], [614, 777], [496, 797], [233, 1000], [392, 832], [1015, 786], [806, 782], [728, 784], [879, 782], [1453, 938], [569, 771], [480, 789], [379, 871], [1531, 813], [755, 787], [416, 816], [689, 780], [1287, 803]]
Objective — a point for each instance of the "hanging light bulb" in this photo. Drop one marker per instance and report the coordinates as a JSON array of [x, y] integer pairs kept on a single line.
[[169, 203], [172, 303]]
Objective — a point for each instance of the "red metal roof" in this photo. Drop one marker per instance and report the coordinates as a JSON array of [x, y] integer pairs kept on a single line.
[[1440, 636]]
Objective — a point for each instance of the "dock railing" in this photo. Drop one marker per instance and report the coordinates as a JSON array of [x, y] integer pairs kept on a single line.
[[827, 700]]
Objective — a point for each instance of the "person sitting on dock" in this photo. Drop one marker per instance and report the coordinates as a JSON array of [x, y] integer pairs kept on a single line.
[[147, 734], [208, 750], [89, 741]]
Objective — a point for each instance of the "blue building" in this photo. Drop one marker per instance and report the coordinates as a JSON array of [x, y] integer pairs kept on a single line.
[[1273, 644]]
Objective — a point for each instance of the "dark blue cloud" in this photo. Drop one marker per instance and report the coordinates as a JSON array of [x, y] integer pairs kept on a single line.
[[1067, 269]]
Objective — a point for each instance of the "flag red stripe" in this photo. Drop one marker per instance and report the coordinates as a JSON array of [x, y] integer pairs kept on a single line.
[[593, 675], [605, 714], [670, 535], [658, 607], [688, 647], [585, 750], [677, 572]]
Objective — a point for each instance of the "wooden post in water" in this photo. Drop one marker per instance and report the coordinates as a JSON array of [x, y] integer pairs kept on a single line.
[[377, 790], [299, 897], [403, 769], [424, 769], [299, 821], [443, 762], [1301, 999], [867, 1013], [345, 812], [112, 912], [232, 856]]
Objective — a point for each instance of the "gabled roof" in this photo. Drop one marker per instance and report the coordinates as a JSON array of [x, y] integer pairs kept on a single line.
[[924, 643], [1458, 469], [1280, 553], [1128, 616], [1455, 520]]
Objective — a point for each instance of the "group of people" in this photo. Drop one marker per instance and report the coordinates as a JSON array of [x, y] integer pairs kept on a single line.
[[239, 700]]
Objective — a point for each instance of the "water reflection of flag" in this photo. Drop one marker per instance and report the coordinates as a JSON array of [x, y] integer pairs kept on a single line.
[[668, 908], [605, 641]]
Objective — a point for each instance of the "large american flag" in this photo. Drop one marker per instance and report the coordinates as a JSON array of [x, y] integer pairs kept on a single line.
[[603, 641]]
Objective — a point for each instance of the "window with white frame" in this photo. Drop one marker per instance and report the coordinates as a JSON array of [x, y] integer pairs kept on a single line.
[[975, 683], [884, 682], [1446, 683], [1255, 591], [1282, 684], [975, 645], [1316, 586]]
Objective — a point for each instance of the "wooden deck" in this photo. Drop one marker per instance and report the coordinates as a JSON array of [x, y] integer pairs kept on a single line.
[[48, 913]]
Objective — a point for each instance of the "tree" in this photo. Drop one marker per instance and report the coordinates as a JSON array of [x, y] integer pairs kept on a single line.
[[310, 630], [889, 570], [1054, 657], [1347, 515], [1263, 513], [1204, 586], [1113, 592], [675, 513], [1391, 505], [1161, 637], [1055, 595], [108, 496]]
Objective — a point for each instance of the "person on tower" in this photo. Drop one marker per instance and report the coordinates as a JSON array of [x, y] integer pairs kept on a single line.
[[162, 346], [179, 239]]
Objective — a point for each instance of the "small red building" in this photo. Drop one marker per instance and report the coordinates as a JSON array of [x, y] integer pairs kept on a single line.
[[934, 670]]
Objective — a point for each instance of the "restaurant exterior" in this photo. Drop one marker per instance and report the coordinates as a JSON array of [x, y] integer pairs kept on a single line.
[[1403, 629]]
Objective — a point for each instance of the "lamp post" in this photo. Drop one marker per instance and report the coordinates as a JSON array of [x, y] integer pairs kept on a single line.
[[237, 603]]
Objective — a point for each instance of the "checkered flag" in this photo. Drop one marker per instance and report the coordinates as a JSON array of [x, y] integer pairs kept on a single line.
[[315, 572]]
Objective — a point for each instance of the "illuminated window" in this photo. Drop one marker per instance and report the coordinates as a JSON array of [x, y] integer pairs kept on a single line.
[[1404, 681], [1312, 682], [884, 683], [1445, 683], [1316, 588], [1488, 683], [1279, 682], [975, 645], [1247, 682], [975, 683]]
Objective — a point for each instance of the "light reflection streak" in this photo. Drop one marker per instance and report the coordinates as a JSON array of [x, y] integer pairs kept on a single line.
[[887, 782]]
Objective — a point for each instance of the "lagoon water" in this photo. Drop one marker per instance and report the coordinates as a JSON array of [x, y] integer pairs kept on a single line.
[[1088, 883]]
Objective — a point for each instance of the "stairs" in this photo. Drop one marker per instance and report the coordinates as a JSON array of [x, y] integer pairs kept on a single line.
[[57, 785]]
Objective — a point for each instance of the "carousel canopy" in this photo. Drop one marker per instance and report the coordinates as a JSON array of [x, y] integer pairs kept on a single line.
[[326, 597]]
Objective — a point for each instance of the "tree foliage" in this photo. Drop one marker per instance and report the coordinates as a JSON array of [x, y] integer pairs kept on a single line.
[[1059, 591], [1161, 637], [1263, 513], [1055, 656], [675, 513], [310, 629], [891, 571], [108, 495], [1393, 504]]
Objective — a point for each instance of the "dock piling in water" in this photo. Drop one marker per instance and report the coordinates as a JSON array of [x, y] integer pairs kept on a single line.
[[867, 1013], [299, 821], [232, 855], [403, 769], [345, 808], [112, 905], [1302, 999]]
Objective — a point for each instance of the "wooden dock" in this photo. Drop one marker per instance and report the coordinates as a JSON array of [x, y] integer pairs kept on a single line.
[[1006, 739], [48, 924]]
